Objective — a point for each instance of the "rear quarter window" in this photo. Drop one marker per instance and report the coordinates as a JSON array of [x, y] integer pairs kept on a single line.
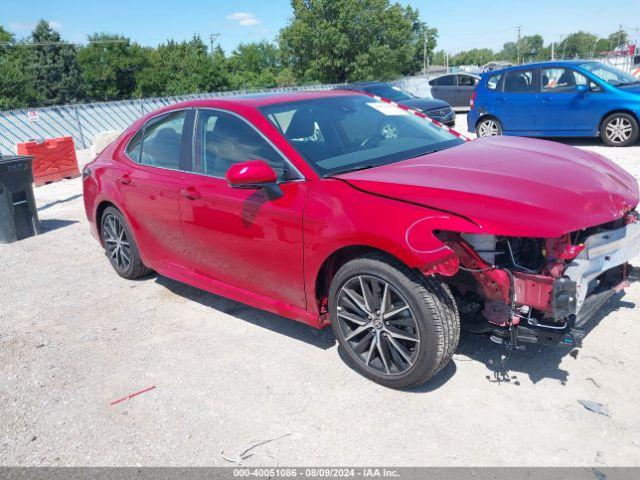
[[493, 81]]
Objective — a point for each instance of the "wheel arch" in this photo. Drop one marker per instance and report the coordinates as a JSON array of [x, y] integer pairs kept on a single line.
[[618, 110], [332, 264], [484, 116], [102, 206]]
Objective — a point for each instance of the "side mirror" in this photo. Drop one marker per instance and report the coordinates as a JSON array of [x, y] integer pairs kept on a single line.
[[251, 174], [254, 174], [582, 89]]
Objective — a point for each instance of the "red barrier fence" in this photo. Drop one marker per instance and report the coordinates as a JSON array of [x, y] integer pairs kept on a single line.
[[53, 159]]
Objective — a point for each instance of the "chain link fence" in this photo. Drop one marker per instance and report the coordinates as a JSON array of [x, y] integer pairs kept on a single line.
[[84, 121]]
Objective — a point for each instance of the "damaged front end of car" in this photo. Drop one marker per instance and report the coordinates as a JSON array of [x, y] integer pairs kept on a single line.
[[541, 290]]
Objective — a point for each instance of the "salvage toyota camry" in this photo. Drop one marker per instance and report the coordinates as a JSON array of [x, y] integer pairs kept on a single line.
[[344, 209]]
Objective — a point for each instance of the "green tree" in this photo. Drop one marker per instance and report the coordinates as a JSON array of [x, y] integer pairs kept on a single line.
[[531, 48], [476, 56], [509, 52], [178, 68], [17, 88], [254, 65], [109, 64], [54, 66], [345, 40], [577, 45]]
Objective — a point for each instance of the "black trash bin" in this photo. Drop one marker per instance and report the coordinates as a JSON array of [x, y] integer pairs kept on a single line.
[[18, 212]]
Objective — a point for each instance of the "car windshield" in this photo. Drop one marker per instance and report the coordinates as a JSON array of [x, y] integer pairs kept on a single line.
[[345, 133], [388, 91], [609, 74]]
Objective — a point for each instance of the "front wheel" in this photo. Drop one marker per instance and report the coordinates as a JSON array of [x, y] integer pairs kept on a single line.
[[488, 127], [397, 327], [619, 130]]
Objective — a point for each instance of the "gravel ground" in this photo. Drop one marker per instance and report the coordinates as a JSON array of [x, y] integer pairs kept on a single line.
[[74, 336]]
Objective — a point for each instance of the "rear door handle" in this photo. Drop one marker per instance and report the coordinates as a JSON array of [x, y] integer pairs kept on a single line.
[[125, 179], [546, 99], [501, 99], [191, 193]]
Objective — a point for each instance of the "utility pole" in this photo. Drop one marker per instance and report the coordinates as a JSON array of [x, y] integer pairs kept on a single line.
[[593, 49], [424, 55], [519, 28], [553, 51], [212, 38], [619, 35]]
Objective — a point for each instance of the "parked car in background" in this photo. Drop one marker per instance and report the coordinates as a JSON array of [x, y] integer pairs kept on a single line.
[[296, 204], [455, 88], [558, 99], [439, 110]]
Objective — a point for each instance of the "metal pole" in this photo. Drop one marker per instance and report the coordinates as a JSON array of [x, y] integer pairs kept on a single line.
[[594, 47], [75, 109], [519, 28], [424, 55]]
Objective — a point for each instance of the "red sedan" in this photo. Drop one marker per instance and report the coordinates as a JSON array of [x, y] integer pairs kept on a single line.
[[341, 208]]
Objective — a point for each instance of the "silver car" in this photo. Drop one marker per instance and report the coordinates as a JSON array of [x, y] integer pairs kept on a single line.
[[454, 88]]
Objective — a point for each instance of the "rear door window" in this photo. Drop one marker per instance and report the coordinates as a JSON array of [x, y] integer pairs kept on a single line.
[[162, 141], [520, 81], [446, 81]]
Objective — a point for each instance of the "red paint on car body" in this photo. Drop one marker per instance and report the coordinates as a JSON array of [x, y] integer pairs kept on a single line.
[[270, 252]]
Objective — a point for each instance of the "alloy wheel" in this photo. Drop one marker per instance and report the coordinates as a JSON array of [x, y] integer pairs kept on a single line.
[[488, 128], [389, 131], [619, 130], [378, 325], [116, 243]]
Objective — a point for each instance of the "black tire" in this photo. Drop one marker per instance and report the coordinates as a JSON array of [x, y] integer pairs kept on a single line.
[[619, 130], [132, 269], [488, 124], [431, 304]]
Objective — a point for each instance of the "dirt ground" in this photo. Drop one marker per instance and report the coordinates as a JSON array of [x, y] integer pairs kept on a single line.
[[74, 337]]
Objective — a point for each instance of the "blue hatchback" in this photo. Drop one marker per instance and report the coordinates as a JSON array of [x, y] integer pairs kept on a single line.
[[558, 99]]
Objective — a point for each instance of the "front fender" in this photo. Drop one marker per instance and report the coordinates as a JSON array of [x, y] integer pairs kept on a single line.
[[338, 216]]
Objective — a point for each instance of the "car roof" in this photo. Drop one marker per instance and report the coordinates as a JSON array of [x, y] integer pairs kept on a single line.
[[549, 63], [468, 74], [257, 100], [363, 85]]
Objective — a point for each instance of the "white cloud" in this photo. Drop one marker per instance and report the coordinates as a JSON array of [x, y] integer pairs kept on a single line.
[[244, 19], [22, 26]]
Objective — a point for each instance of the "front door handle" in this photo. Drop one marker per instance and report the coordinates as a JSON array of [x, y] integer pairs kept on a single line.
[[501, 99], [125, 179], [191, 193], [546, 99]]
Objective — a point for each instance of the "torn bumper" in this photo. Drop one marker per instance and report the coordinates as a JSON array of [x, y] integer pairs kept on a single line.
[[602, 252]]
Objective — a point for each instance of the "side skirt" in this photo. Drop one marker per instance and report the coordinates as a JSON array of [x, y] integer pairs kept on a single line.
[[246, 297]]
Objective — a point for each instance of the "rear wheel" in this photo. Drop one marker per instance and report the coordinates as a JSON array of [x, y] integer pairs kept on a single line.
[[488, 127], [397, 327], [120, 246], [619, 130]]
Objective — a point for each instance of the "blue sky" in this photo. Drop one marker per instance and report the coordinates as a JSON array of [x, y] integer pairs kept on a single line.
[[463, 24]]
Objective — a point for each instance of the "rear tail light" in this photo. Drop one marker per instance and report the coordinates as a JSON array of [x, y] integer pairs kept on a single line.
[[472, 102]]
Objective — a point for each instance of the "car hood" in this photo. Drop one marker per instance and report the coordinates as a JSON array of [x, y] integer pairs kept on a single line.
[[631, 89], [509, 186], [424, 103]]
